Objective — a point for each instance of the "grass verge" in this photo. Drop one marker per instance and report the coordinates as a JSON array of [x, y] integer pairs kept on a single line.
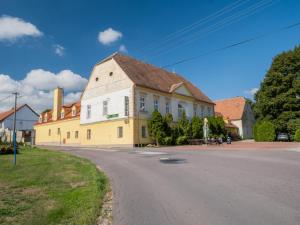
[[48, 187]]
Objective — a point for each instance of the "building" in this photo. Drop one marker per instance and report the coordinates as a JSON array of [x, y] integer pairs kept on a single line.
[[237, 112], [26, 117], [119, 98]]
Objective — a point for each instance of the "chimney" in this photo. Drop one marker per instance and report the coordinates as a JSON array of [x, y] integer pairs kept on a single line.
[[57, 103]]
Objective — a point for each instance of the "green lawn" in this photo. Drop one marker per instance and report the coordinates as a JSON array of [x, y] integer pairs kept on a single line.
[[48, 187]]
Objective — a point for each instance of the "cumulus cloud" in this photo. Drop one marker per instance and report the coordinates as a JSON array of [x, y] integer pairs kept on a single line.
[[251, 91], [109, 36], [59, 50], [123, 48], [36, 89], [13, 28]]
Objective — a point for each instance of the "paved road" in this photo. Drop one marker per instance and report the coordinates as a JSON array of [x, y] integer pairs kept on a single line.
[[210, 187]]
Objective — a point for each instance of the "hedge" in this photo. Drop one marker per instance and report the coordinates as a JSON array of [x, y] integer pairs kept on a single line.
[[264, 131], [297, 136]]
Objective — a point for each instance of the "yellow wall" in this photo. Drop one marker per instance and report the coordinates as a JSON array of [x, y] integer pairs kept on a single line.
[[102, 133]]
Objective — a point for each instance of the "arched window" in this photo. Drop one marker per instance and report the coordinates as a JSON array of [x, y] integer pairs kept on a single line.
[[180, 110]]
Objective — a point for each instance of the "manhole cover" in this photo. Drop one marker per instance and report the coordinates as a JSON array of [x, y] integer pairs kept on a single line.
[[172, 160]]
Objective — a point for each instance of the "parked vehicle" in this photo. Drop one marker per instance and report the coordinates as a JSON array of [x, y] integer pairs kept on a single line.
[[283, 137]]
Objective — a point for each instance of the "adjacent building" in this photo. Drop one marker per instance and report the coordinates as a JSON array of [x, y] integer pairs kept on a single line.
[[26, 117], [116, 104], [238, 115]]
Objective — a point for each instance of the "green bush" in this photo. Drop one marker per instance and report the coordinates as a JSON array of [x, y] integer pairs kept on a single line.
[[168, 141], [181, 140], [7, 149], [264, 131], [297, 136], [197, 127]]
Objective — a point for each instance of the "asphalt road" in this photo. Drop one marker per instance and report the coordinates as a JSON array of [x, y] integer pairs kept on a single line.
[[206, 187]]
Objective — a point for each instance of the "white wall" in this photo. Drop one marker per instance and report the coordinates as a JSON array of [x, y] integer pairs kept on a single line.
[[25, 119], [116, 105]]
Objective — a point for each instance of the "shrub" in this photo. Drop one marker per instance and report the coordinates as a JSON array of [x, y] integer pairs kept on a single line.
[[181, 140], [168, 141], [297, 136], [184, 125], [197, 127], [7, 149], [264, 131]]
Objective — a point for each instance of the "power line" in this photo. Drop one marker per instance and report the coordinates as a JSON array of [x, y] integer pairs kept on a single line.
[[3, 99], [233, 45]]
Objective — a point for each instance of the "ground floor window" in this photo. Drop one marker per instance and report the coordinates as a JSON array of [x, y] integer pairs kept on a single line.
[[144, 134], [68, 135], [49, 132], [88, 134], [120, 132], [76, 134], [58, 131]]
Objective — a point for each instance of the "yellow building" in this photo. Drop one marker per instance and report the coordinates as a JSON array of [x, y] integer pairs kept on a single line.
[[119, 98]]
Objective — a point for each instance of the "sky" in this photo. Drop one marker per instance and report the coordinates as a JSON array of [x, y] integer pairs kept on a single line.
[[45, 44]]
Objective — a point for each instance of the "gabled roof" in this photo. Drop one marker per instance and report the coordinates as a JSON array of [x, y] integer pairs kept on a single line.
[[4, 115], [149, 76], [231, 108]]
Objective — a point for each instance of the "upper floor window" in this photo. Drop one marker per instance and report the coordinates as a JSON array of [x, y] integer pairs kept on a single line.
[[88, 111], [105, 107], [156, 103], [126, 104], [195, 110], [208, 111], [142, 102], [168, 106], [62, 114], [46, 117], [202, 111], [180, 110]]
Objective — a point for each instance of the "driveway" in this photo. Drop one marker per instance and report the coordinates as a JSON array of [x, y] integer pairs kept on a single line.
[[209, 187]]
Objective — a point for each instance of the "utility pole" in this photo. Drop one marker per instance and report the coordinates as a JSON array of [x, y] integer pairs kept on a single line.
[[14, 129]]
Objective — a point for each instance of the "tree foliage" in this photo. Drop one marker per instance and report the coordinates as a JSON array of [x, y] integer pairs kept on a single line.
[[157, 126], [278, 99], [216, 126], [184, 126], [297, 135], [197, 127], [264, 131]]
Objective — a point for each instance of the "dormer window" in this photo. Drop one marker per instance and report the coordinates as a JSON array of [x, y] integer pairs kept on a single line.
[[40, 119], [45, 118], [74, 111], [62, 114]]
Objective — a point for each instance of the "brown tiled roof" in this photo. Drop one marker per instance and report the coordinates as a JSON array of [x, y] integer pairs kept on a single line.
[[68, 112], [146, 75], [231, 108], [4, 115]]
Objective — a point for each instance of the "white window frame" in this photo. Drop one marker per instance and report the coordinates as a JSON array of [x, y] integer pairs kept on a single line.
[[195, 106], [73, 112], [88, 111], [126, 106], [180, 110], [156, 103], [105, 107], [62, 115], [168, 106], [142, 100]]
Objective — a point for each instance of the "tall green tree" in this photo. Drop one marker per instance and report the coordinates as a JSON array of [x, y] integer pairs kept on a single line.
[[184, 125], [216, 126], [157, 126], [278, 99]]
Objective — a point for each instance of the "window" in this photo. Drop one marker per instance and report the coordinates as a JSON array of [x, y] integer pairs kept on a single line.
[[62, 115], [88, 111], [49, 132], [46, 117], [88, 134], [58, 131], [40, 119], [144, 134], [202, 111], [180, 110], [76, 134], [68, 135], [105, 106], [120, 132], [126, 105], [195, 110], [142, 103], [168, 106], [74, 112], [156, 103], [208, 111]]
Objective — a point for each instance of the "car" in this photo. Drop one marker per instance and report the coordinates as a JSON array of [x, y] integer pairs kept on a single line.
[[283, 137]]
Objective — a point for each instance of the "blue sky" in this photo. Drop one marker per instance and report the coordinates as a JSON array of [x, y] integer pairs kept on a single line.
[[72, 29]]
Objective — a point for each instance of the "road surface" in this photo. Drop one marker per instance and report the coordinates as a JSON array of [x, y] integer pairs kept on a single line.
[[214, 187]]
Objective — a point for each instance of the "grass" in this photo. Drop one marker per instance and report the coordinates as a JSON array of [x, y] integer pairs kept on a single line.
[[48, 187]]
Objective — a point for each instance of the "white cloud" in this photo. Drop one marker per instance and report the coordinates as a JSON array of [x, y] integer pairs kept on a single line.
[[36, 89], [123, 48], [109, 36], [12, 28], [59, 50], [251, 91]]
